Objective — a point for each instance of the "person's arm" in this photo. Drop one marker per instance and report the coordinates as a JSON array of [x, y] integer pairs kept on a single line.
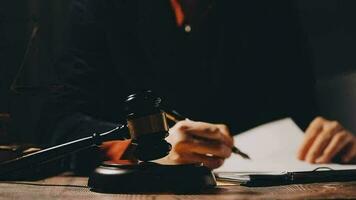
[[85, 103], [80, 108]]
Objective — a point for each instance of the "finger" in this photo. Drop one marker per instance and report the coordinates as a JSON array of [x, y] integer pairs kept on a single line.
[[200, 129], [208, 161], [311, 133], [227, 138], [203, 148], [350, 156], [321, 141], [337, 143]]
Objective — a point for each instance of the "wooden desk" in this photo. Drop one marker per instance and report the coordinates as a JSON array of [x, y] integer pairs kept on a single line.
[[68, 187]]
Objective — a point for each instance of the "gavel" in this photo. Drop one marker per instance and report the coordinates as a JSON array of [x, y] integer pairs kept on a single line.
[[146, 125]]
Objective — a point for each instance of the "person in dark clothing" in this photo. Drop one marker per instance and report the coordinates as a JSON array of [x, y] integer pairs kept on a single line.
[[234, 64]]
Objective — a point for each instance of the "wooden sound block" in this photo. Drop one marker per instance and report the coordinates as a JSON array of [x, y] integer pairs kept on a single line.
[[151, 177]]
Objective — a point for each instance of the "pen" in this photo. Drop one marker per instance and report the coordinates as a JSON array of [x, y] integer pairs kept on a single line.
[[176, 117]]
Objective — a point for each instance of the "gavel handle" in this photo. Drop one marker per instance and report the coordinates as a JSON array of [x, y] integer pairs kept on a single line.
[[52, 153]]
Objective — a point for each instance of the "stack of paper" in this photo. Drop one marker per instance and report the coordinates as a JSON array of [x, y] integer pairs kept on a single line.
[[273, 149]]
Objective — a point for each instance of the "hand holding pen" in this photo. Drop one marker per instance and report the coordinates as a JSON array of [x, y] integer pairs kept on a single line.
[[176, 117]]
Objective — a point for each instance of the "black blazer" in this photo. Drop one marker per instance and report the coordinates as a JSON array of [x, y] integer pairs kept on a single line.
[[250, 64]]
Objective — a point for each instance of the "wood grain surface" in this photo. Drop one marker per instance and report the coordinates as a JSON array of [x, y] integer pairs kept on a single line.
[[68, 187]]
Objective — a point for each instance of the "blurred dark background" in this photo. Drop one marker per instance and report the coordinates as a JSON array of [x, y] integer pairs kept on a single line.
[[330, 25]]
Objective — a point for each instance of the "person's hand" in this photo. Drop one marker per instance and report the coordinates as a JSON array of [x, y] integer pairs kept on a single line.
[[200, 142], [326, 140]]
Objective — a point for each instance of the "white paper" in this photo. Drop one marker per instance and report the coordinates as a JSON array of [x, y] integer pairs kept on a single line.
[[273, 148]]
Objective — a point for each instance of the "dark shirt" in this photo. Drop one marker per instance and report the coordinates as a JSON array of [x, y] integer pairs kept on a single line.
[[244, 63]]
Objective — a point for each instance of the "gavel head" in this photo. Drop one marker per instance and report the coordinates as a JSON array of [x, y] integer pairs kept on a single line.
[[147, 125]]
